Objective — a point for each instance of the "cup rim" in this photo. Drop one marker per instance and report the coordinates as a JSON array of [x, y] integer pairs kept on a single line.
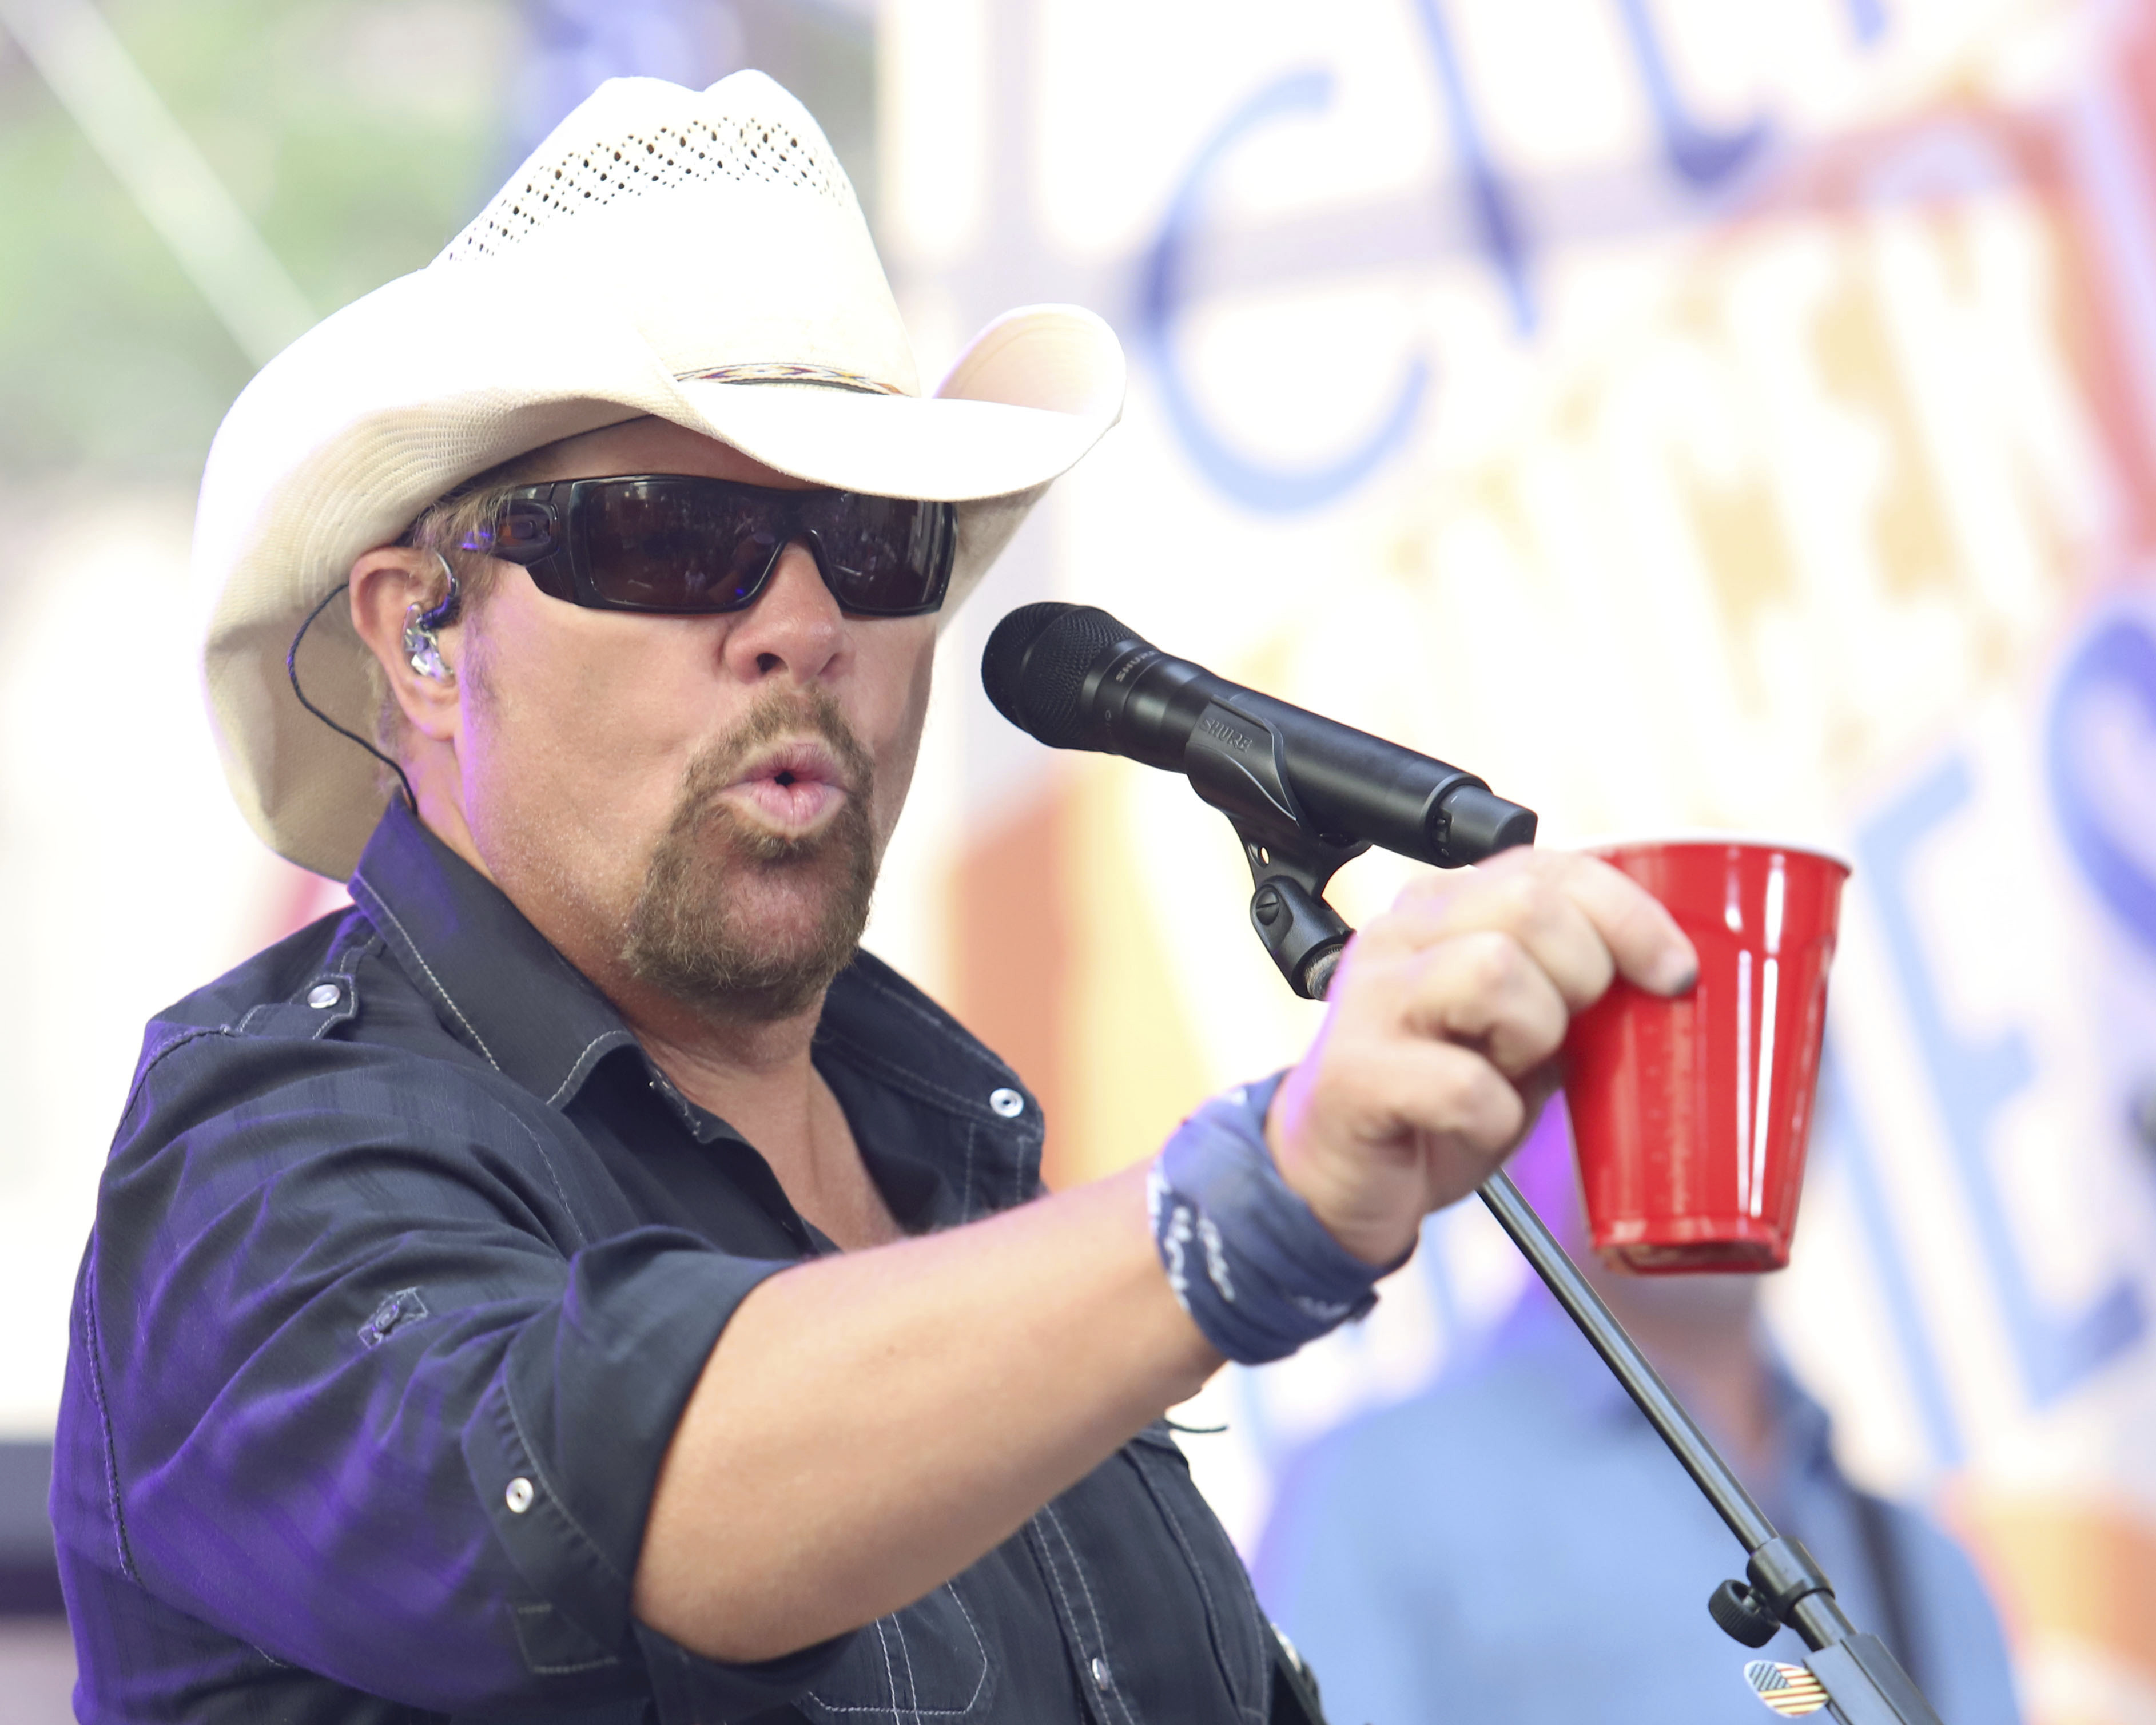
[[1706, 838]]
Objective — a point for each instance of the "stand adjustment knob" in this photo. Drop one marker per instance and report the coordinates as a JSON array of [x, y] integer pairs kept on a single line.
[[1740, 1614]]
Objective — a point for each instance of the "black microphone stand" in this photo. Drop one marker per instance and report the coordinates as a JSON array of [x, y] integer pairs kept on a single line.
[[1289, 866]]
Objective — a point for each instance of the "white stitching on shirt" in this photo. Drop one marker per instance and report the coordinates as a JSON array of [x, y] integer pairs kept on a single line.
[[1092, 1610], [942, 1026], [344, 968], [910, 1079], [557, 1671], [374, 903], [158, 1060], [980, 1646], [568, 1209], [972, 1701], [905, 1653], [104, 1423], [1055, 1576], [890, 1676], [531, 1459], [577, 1066], [1213, 1611]]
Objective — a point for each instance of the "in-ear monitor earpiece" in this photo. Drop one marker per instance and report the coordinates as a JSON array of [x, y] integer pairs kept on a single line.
[[420, 647]]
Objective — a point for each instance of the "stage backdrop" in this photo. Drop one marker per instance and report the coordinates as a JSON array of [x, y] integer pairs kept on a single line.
[[1679, 413]]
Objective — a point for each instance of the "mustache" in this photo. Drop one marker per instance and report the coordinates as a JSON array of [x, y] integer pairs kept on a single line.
[[784, 715], [688, 934]]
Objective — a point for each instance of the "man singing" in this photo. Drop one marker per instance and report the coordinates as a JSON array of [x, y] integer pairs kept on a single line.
[[576, 1284]]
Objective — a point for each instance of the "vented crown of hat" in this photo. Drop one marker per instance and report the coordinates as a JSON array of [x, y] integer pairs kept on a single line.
[[570, 175]]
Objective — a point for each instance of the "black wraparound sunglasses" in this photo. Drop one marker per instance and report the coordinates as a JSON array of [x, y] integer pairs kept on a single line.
[[675, 542]]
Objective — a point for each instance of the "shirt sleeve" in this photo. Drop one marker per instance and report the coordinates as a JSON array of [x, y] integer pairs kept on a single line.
[[370, 1398]]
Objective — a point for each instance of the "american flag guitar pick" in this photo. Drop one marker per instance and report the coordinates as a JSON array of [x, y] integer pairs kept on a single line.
[[1790, 1690]]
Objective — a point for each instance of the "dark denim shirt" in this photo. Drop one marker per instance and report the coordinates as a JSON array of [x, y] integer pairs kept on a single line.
[[405, 1262]]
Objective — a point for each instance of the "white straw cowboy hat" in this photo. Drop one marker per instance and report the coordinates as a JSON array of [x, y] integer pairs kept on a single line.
[[695, 256]]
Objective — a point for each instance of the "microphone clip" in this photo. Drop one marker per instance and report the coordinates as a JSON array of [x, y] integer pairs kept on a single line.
[[1236, 762]]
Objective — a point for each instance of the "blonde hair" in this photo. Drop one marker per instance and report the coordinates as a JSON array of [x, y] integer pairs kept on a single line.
[[452, 528]]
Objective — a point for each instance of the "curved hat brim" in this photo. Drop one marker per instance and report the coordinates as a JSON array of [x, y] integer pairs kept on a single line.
[[1032, 394], [893, 446]]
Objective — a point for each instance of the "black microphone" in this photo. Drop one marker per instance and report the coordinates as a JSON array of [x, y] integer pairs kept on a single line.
[[1076, 678]]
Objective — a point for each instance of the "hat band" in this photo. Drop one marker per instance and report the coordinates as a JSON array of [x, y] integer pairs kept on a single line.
[[784, 371]]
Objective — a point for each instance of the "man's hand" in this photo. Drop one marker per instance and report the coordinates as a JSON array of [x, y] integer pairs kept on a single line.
[[999, 1362], [1439, 1032]]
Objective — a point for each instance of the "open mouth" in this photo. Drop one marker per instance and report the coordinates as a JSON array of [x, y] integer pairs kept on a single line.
[[792, 786]]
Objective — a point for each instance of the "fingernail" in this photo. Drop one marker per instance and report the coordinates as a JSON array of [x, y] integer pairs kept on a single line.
[[1677, 973]]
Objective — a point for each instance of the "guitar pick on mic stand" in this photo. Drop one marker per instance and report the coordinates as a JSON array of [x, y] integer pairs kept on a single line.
[[1304, 795]]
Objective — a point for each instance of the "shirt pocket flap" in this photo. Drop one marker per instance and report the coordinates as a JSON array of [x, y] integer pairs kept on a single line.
[[552, 1646], [927, 1661]]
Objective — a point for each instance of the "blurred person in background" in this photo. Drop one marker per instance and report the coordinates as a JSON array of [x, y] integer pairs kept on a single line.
[[1516, 1544], [576, 1282]]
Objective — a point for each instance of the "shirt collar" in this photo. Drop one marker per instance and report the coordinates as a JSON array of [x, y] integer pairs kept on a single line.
[[496, 983], [880, 1041], [500, 987]]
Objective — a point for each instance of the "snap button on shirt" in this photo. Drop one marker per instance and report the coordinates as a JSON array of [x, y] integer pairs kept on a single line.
[[487, 1130]]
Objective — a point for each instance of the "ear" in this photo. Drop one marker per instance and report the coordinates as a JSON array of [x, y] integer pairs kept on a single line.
[[387, 585]]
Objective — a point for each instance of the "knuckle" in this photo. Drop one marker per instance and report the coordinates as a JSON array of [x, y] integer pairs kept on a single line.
[[1507, 1123], [1527, 900], [1534, 1037], [1385, 936], [1423, 891], [1491, 962], [1460, 1092], [1347, 1068]]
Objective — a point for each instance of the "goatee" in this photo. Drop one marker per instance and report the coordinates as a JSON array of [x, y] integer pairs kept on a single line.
[[697, 931]]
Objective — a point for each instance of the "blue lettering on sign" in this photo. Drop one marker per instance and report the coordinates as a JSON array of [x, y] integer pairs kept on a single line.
[[1971, 1081], [1868, 18], [1701, 158], [1254, 484], [1699, 155], [1496, 221], [1841, 1133], [2119, 659]]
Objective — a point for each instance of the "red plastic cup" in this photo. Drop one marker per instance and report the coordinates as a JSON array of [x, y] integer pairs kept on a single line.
[[1689, 1117]]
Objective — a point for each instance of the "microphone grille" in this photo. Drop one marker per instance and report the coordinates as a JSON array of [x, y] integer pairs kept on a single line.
[[1002, 660], [1035, 664]]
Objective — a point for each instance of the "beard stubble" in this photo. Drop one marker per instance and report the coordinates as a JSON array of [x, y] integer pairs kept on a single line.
[[695, 932]]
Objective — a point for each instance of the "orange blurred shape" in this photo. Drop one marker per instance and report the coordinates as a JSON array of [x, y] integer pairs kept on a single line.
[[2073, 1569], [1011, 957]]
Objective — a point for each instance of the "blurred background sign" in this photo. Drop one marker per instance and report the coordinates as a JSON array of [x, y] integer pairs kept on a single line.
[[1681, 412]]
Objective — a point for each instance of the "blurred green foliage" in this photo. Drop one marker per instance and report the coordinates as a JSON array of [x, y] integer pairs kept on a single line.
[[357, 135]]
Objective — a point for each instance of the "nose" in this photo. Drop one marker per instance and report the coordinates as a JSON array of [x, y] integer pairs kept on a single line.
[[794, 629]]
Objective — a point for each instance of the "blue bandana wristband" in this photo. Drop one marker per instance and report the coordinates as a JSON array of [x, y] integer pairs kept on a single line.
[[1247, 1258]]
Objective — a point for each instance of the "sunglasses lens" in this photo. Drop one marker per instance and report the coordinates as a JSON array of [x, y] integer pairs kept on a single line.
[[679, 543], [884, 555], [668, 545]]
